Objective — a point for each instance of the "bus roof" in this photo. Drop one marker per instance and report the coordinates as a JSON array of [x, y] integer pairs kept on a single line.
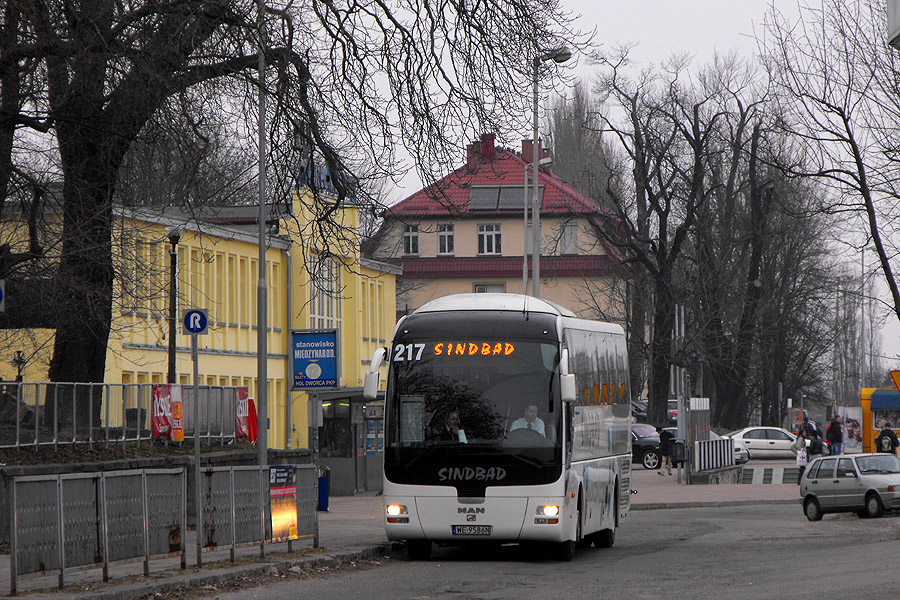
[[494, 301]]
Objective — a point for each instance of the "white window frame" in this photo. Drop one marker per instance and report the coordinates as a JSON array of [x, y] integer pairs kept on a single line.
[[410, 239], [325, 295], [446, 245], [489, 239], [490, 288], [568, 244]]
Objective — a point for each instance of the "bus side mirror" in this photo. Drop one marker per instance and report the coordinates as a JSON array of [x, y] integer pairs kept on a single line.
[[566, 379], [370, 385]]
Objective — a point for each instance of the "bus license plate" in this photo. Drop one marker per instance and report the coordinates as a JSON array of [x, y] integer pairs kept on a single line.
[[471, 530]]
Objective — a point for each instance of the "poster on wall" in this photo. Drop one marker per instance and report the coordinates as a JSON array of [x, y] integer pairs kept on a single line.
[[283, 502], [315, 359], [167, 413], [245, 417], [851, 417]]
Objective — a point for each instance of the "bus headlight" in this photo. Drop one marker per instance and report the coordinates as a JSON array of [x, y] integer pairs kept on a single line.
[[550, 510], [395, 513], [547, 515]]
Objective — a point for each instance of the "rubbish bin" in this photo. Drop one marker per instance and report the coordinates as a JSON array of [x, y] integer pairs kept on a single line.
[[678, 452], [324, 478]]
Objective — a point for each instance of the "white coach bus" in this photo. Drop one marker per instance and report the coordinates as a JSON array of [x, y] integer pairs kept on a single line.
[[507, 419]]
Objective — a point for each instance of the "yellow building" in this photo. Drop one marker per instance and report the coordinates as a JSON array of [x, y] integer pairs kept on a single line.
[[309, 287]]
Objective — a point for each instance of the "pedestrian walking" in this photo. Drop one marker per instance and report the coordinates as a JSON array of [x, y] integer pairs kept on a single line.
[[835, 435], [886, 440], [665, 450], [799, 448]]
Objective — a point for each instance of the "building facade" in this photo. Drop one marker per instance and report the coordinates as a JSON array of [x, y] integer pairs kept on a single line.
[[309, 287], [468, 233]]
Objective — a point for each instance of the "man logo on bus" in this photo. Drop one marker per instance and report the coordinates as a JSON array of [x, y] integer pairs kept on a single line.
[[472, 348]]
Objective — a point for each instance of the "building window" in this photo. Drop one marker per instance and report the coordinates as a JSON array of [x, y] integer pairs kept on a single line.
[[445, 238], [569, 242], [325, 295], [410, 239], [489, 239], [490, 288]]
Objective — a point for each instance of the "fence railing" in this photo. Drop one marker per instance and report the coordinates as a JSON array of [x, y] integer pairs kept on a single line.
[[713, 454], [51, 414], [61, 522]]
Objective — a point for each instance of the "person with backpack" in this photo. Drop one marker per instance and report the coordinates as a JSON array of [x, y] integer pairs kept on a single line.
[[887, 440], [835, 435]]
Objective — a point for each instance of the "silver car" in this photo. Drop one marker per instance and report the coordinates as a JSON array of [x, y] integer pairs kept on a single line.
[[764, 442], [866, 484]]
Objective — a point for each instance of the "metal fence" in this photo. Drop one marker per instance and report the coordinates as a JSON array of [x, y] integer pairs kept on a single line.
[[239, 510], [61, 522], [76, 520], [51, 414]]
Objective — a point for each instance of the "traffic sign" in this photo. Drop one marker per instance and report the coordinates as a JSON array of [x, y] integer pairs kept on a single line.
[[2, 295], [895, 375], [195, 321]]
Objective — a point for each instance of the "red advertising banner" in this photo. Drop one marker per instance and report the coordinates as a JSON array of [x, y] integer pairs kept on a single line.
[[245, 417], [167, 413]]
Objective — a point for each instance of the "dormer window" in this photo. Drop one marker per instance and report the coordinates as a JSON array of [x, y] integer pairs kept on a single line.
[[410, 239]]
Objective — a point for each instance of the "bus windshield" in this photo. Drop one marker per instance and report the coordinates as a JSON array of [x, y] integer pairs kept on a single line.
[[485, 393]]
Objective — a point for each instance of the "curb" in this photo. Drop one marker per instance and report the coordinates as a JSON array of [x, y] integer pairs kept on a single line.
[[712, 504], [170, 581]]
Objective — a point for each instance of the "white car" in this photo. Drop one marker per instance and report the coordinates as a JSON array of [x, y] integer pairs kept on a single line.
[[764, 442], [740, 453]]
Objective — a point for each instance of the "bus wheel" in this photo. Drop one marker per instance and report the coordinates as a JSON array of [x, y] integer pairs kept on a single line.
[[418, 549], [565, 551], [605, 538]]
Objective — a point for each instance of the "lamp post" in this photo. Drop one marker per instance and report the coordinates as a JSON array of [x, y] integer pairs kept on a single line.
[[559, 56], [174, 235], [19, 363]]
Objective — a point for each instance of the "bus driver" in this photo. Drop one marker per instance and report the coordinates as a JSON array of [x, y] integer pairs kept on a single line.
[[529, 421]]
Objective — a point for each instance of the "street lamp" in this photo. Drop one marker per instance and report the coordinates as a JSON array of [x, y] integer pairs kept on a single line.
[[19, 363], [174, 235], [559, 56]]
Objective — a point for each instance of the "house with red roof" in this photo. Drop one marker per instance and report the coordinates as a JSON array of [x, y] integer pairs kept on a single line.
[[468, 233]]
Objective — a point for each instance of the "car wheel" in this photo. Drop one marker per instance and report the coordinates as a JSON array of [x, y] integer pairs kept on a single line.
[[812, 509], [650, 459], [874, 507], [418, 549]]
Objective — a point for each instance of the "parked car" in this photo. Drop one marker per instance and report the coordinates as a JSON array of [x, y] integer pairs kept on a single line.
[[764, 442], [645, 445], [741, 455], [867, 484], [639, 411], [672, 412]]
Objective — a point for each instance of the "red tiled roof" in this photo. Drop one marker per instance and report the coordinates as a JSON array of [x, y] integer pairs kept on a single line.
[[499, 166], [506, 266]]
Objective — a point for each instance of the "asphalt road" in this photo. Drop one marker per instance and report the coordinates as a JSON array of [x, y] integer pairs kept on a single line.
[[745, 552]]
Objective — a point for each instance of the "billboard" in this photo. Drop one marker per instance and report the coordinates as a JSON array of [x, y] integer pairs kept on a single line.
[[314, 356]]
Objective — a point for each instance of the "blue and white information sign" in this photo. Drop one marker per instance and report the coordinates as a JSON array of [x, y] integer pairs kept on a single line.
[[315, 359], [195, 321]]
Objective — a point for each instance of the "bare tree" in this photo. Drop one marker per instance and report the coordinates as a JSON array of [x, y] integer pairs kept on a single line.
[[346, 83], [837, 82]]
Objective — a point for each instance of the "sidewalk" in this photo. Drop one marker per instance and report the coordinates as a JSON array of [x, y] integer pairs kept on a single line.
[[351, 530]]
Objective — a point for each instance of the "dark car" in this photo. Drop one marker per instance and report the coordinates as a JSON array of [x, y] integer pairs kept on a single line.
[[645, 445], [639, 411]]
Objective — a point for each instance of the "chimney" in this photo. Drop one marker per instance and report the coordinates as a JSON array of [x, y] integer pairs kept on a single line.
[[528, 148], [487, 146], [473, 151]]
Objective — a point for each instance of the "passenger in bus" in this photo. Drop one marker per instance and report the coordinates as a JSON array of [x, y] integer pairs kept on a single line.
[[451, 431], [530, 421]]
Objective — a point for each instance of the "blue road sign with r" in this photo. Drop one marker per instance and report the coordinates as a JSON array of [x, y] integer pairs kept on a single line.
[[195, 321]]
